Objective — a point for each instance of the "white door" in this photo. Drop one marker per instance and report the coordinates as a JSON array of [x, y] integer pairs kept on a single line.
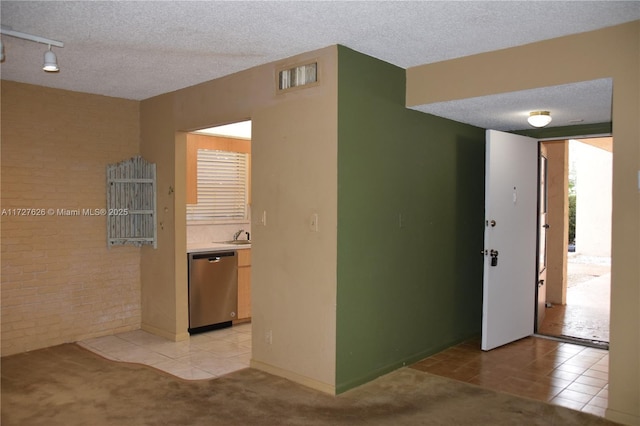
[[510, 278]]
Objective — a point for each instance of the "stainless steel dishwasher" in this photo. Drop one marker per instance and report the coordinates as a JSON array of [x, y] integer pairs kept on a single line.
[[213, 290]]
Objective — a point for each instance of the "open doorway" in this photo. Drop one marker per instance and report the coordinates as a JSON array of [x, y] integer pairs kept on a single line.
[[578, 297], [218, 187]]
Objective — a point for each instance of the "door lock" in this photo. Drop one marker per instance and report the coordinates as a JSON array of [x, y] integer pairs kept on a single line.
[[494, 257]]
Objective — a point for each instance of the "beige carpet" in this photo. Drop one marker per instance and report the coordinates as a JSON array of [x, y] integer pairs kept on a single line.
[[67, 385]]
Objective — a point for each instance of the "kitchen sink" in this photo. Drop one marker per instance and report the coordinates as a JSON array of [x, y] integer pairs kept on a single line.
[[237, 242]]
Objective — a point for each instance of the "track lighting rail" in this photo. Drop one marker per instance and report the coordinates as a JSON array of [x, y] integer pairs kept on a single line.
[[50, 60], [11, 33]]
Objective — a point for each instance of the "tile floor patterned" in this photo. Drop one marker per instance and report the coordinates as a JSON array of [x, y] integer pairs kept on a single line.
[[564, 374], [202, 356]]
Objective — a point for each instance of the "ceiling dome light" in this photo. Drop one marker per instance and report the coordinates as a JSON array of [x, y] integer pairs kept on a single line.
[[50, 61], [539, 118]]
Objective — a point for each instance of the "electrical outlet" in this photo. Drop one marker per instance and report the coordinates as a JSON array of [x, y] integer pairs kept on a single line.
[[263, 219], [268, 337], [313, 222]]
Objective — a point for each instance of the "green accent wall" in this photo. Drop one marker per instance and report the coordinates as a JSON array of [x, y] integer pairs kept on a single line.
[[410, 225]]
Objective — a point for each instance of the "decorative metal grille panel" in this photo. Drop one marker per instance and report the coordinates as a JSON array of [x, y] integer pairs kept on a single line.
[[131, 203]]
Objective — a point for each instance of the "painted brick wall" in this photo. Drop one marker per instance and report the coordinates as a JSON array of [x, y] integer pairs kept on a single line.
[[60, 283]]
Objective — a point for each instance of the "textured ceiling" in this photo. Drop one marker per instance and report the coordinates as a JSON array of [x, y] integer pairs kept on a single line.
[[140, 49], [569, 104]]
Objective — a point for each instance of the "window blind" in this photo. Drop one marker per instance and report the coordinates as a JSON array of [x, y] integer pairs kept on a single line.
[[222, 186]]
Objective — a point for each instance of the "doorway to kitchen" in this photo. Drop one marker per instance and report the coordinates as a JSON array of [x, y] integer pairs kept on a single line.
[[578, 298], [219, 218]]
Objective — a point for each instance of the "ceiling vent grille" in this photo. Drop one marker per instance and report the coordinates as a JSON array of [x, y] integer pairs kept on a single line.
[[298, 76]]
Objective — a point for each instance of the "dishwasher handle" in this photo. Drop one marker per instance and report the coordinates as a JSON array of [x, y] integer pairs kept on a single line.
[[210, 257]]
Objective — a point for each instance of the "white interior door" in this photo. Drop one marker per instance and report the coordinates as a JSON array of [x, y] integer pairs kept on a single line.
[[510, 279]]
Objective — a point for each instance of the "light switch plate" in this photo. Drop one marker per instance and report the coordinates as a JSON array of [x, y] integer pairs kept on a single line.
[[313, 222]]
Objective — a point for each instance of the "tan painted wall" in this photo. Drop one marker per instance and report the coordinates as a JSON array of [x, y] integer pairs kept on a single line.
[[294, 173], [60, 282], [162, 311], [593, 206], [558, 219], [611, 52]]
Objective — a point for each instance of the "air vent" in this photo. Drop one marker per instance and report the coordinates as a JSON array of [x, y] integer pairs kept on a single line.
[[298, 76]]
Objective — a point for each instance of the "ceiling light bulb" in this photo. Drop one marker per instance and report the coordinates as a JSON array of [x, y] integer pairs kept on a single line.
[[539, 118], [50, 61]]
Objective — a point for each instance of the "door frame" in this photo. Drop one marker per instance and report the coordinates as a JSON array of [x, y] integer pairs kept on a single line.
[[543, 167], [564, 230]]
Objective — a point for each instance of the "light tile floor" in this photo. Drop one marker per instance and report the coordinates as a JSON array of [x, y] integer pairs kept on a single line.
[[202, 356]]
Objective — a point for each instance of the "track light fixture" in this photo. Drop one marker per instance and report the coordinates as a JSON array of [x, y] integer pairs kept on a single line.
[[50, 60]]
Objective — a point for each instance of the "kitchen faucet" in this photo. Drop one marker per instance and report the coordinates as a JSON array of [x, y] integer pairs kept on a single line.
[[237, 234]]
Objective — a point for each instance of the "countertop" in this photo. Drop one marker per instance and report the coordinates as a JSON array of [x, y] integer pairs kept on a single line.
[[213, 247]]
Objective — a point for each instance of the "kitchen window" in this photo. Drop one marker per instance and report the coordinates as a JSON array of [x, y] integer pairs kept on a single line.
[[222, 187]]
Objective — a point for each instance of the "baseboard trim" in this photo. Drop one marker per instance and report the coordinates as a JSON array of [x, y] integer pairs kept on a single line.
[[294, 377], [176, 337], [622, 418], [404, 362]]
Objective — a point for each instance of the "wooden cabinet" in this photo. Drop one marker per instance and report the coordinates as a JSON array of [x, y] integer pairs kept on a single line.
[[244, 284]]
